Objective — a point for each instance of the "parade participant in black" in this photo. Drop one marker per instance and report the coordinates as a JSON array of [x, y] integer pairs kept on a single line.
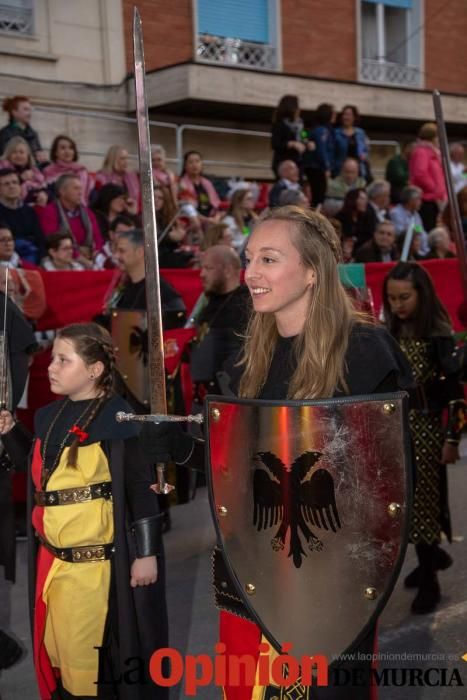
[[420, 323], [20, 344], [303, 341], [221, 323], [132, 294], [94, 583]]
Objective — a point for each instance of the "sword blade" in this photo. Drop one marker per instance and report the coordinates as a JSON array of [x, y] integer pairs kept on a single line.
[[151, 257], [3, 370], [456, 223]]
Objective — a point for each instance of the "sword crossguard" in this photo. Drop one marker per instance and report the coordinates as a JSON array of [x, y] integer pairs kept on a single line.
[[122, 417]]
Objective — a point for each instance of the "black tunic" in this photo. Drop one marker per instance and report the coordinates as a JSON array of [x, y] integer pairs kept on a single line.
[[137, 618]]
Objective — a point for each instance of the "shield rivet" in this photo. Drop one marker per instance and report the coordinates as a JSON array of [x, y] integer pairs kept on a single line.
[[394, 510], [370, 593], [216, 414], [389, 408], [116, 349], [250, 588], [222, 511], [115, 314]]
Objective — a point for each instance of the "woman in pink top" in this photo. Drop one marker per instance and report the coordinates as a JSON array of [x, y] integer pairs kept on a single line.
[[18, 156], [426, 172], [64, 161], [115, 170], [199, 189]]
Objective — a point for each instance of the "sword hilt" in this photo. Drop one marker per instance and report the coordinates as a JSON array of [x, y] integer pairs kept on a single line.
[[122, 417]]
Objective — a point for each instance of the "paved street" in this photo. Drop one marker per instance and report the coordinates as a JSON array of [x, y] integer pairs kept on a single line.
[[194, 619]]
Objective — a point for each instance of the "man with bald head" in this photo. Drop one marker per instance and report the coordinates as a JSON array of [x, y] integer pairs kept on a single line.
[[222, 322], [289, 179]]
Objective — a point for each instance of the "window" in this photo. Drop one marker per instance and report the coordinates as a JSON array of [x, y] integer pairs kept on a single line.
[[17, 16], [237, 32], [391, 42]]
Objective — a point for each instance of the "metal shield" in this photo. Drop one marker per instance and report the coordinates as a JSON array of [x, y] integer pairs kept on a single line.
[[129, 331], [310, 501]]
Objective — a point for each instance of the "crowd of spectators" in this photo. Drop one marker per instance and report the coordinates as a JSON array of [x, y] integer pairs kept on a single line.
[[51, 204]]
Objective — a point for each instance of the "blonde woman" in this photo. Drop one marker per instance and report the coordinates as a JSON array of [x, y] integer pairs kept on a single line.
[[241, 216], [18, 156], [115, 169], [304, 341]]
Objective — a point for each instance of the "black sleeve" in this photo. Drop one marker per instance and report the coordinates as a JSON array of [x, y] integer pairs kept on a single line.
[[281, 135], [37, 235], [18, 443], [139, 475]]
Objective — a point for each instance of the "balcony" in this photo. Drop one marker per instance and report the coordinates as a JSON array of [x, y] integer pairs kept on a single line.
[[386, 73], [236, 52], [17, 20]]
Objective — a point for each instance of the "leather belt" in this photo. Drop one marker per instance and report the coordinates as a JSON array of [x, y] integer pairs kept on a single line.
[[64, 497], [78, 555]]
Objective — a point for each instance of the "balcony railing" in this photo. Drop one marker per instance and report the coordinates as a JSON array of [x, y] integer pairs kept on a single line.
[[383, 72], [236, 52], [18, 20]]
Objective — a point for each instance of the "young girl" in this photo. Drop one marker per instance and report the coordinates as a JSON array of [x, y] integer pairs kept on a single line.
[[304, 341], [420, 323], [97, 579]]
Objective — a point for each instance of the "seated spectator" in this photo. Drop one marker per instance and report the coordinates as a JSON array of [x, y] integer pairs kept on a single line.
[[199, 189], [459, 176], [20, 218], [318, 159], [382, 246], [115, 170], [60, 254], [355, 219], [240, 216], [217, 234], [64, 161], [351, 142], [406, 214], [378, 201], [68, 215], [106, 258], [397, 171], [426, 172], [8, 255], [294, 197], [440, 244], [462, 203], [20, 111], [18, 157], [287, 140], [289, 179], [110, 202], [161, 173], [171, 232], [348, 179]]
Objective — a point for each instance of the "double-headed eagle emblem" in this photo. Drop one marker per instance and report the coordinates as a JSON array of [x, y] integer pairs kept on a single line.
[[293, 497]]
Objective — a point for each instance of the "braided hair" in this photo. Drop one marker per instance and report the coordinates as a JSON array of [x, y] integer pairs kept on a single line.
[[93, 344]]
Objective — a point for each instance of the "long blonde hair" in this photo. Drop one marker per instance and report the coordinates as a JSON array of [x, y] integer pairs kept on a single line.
[[13, 144], [321, 346], [111, 157]]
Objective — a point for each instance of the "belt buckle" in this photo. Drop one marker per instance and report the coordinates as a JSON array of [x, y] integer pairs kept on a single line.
[[78, 495]]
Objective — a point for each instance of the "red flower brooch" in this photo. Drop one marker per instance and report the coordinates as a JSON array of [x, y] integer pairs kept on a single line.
[[82, 435]]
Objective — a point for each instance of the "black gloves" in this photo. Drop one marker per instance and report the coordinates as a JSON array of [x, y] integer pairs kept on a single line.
[[166, 442]]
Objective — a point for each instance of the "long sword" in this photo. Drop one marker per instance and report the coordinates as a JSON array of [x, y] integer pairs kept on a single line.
[[456, 224], [157, 395], [4, 369]]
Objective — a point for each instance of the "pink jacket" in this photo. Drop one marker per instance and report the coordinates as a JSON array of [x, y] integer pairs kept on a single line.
[[186, 185], [53, 171], [49, 219], [426, 172], [129, 181]]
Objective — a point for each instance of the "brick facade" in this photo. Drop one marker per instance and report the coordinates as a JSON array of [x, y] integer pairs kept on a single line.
[[319, 38], [445, 34], [168, 32]]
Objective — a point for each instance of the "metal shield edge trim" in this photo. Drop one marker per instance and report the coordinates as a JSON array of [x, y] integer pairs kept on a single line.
[[400, 396]]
